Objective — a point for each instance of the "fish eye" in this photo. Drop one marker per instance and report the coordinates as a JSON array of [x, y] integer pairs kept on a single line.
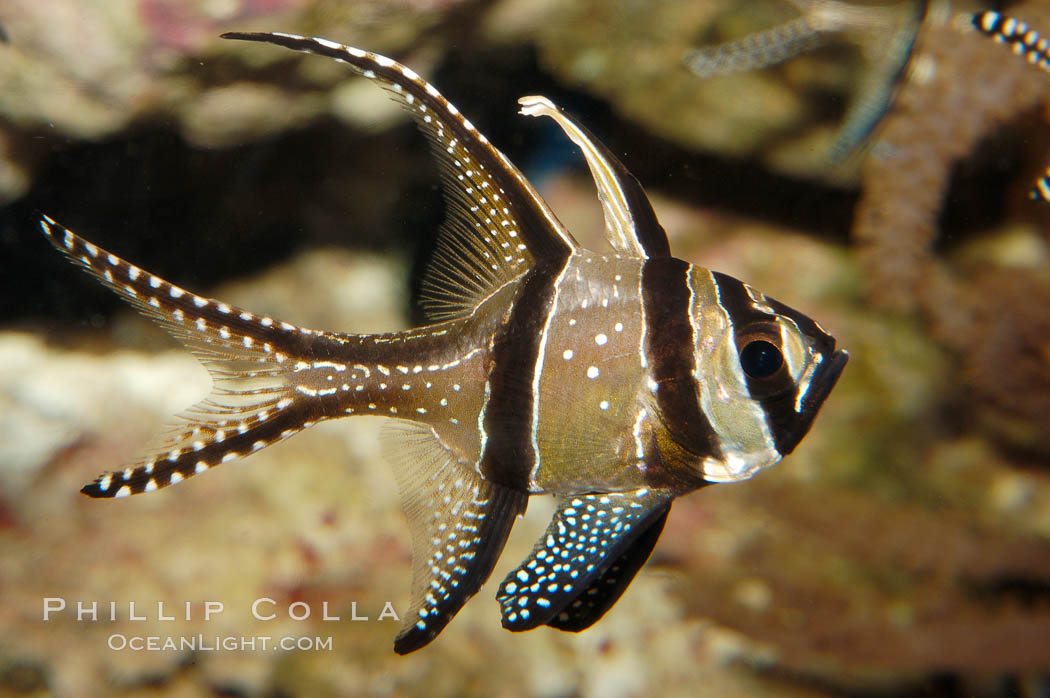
[[760, 358]]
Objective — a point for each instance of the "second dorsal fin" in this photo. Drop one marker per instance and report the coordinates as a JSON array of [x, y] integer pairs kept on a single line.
[[497, 225]]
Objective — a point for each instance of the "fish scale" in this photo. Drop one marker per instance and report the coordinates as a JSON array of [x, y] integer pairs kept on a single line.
[[614, 382]]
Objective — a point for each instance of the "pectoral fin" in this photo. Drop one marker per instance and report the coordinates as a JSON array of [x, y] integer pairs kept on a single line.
[[589, 535]]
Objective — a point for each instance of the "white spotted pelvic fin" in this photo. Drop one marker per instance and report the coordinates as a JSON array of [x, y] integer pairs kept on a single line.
[[591, 551], [254, 401]]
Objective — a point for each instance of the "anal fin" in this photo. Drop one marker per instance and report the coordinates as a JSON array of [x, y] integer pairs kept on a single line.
[[459, 524], [589, 534]]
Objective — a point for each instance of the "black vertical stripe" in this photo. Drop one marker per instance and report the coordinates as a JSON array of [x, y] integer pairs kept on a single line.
[[670, 350], [648, 231], [779, 409], [787, 425], [734, 298], [509, 457]]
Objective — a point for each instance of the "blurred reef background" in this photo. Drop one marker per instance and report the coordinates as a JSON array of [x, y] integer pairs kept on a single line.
[[903, 550]]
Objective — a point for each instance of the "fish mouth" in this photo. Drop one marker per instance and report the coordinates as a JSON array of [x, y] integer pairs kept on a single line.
[[823, 383], [819, 389]]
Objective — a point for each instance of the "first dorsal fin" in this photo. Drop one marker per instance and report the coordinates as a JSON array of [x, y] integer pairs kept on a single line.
[[631, 227], [497, 225]]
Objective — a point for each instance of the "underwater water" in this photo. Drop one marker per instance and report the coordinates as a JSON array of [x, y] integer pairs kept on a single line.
[[902, 549]]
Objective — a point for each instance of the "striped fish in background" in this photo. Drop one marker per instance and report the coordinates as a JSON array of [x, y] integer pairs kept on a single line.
[[1029, 45], [615, 382], [886, 33]]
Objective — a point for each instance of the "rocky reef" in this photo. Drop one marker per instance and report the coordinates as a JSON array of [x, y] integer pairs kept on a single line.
[[904, 549]]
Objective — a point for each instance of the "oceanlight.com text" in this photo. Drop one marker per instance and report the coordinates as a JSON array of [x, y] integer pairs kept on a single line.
[[216, 643]]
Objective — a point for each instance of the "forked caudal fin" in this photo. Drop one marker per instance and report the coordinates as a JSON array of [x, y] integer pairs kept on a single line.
[[265, 386], [268, 387]]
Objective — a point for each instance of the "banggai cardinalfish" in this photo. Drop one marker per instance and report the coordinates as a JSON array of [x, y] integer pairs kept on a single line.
[[614, 382]]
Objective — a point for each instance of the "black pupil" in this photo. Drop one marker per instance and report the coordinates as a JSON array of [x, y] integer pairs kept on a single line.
[[760, 359]]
